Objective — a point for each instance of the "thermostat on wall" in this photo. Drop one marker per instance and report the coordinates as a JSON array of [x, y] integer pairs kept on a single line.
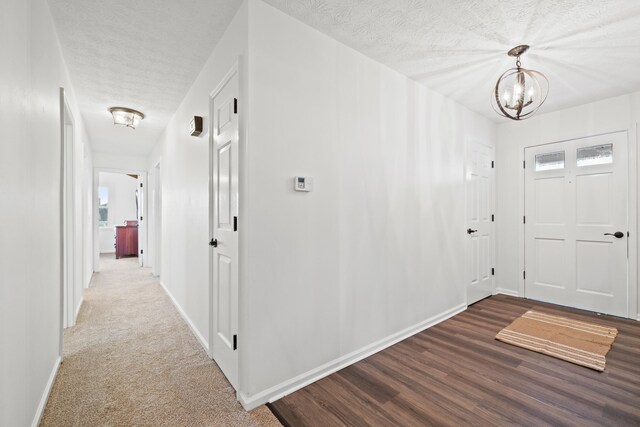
[[303, 183], [195, 126]]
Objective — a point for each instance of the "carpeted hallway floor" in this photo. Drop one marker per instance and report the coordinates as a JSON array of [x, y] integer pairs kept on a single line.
[[132, 361]]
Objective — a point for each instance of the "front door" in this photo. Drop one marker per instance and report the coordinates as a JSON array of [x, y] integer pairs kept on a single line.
[[576, 223], [224, 239], [479, 190]]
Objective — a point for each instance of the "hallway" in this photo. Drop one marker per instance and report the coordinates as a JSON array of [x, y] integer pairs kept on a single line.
[[132, 360]]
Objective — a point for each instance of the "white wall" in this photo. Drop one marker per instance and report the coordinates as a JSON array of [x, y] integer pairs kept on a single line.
[[378, 247], [121, 203], [185, 186], [32, 72], [119, 162], [609, 115]]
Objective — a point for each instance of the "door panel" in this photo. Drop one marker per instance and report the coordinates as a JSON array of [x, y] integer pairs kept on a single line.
[[224, 330], [479, 211], [575, 193], [224, 254]]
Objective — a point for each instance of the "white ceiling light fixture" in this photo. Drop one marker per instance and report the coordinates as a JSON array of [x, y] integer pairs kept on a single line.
[[519, 92], [126, 116]]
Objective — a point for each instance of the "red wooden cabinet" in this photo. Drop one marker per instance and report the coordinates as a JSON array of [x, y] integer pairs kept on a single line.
[[126, 240]]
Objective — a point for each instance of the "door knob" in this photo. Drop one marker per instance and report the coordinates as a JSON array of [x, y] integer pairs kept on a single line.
[[469, 231], [214, 243], [617, 234]]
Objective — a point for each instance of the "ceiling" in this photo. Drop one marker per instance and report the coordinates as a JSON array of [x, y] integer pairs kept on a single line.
[[145, 54], [589, 49], [142, 54]]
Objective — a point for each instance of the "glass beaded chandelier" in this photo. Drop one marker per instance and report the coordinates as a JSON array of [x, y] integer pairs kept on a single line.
[[519, 92]]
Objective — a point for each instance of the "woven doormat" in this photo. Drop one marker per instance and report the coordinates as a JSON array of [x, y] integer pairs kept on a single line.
[[577, 342]]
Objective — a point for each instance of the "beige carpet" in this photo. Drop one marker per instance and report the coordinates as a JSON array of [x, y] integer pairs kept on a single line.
[[582, 343], [132, 361]]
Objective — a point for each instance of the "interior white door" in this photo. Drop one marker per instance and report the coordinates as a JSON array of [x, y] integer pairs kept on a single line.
[[142, 235], [224, 239], [69, 235], [479, 191], [576, 208]]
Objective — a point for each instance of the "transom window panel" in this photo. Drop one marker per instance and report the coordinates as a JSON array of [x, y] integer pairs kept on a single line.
[[550, 161], [596, 155]]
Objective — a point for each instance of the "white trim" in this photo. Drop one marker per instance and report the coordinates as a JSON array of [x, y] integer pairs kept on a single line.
[[45, 395], [75, 317], [186, 318], [141, 229], [281, 390], [504, 291]]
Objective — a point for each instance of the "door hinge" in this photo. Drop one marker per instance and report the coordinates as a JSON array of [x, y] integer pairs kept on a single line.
[[235, 223], [524, 219], [524, 274], [493, 271], [235, 342], [492, 165], [235, 105], [141, 251], [523, 164], [140, 218], [493, 217]]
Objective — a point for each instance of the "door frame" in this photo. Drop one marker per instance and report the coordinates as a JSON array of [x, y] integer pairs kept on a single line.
[[142, 229], [492, 208], [235, 69], [632, 190], [154, 237], [68, 232]]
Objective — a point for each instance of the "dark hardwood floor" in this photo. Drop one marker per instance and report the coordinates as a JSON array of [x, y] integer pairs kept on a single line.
[[456, 373]]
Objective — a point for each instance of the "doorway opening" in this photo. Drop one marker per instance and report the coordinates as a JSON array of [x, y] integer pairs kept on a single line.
[[119, 212], [71, 215]]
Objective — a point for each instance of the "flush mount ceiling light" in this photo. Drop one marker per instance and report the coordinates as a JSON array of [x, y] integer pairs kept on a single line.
[[519, 92], [126, 116]]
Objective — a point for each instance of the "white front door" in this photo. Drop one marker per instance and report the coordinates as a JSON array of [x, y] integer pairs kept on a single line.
[[576, 223], [224, 238], [479, 206]]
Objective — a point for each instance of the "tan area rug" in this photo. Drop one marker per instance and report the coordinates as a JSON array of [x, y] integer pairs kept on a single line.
[[581, 343], [132, 361]]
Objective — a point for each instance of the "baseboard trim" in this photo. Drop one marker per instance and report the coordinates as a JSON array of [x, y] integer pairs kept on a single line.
[[45, 395], [281, 390], [186, 318], [506, 292]]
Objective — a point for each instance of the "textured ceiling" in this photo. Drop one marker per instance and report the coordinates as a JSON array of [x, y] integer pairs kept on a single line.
[[141, 54], [589, 49]]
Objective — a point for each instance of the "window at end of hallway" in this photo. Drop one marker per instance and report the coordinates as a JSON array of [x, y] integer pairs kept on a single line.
[[103, 206]]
